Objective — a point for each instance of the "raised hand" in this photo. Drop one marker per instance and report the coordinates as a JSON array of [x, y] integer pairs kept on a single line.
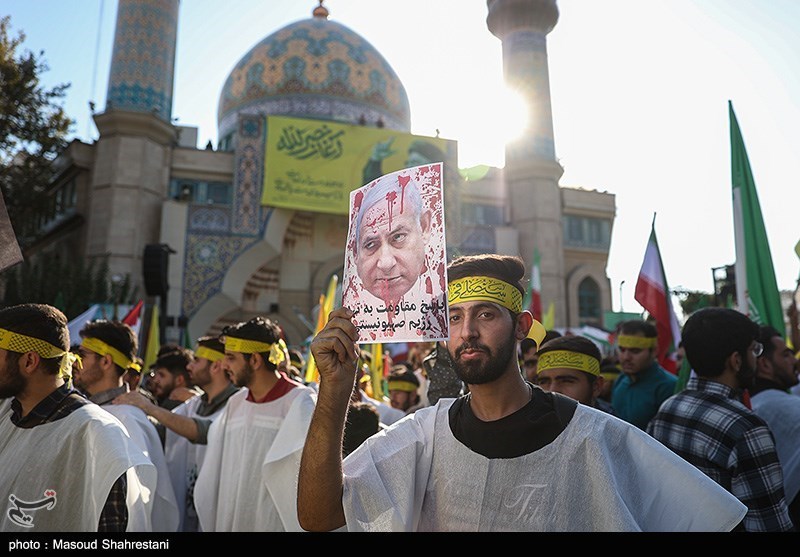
[[335, 350]]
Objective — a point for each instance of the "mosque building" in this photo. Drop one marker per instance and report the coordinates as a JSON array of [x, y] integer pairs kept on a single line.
[[194, 230]]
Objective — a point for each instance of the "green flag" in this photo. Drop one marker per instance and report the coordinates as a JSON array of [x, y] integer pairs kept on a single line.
[[186, 342], [756, 288], [684, 372]]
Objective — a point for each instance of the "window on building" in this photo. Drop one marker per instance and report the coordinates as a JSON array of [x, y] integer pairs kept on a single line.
[[227, 143], [200, 193], [589, 302], [575, 229], [477, 213], [218, 194], [587, 232]]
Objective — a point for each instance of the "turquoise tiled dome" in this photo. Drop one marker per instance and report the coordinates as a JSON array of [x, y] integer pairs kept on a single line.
[[315, 68]]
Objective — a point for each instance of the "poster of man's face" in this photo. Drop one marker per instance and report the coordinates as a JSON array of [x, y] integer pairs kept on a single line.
[[395, 277]]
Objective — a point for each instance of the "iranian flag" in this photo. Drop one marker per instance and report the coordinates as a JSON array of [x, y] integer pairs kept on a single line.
[[757, 292], [533, 295], [134, 318], [652, 292]]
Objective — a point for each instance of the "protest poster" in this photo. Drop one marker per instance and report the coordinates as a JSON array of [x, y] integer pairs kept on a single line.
[[395, 271]]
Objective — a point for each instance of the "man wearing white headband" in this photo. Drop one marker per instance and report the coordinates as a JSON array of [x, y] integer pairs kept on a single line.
[[498, 458], [66, 465], [248, 480]]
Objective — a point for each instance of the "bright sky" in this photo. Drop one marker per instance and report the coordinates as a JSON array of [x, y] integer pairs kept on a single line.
[[639, 91]]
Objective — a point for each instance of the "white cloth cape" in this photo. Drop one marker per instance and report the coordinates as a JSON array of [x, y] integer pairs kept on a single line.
[[781, 411], [248, 480], [57, 476], [599, 474], [145, 435], [184, 458]]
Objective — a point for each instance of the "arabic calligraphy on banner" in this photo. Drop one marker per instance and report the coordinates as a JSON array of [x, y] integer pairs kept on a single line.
[[313, 165]]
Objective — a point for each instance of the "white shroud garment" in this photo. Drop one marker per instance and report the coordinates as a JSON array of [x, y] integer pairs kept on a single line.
[[599, 474], [145, 435], [781, 411], [184, 459], [248, 480], [57, 476]]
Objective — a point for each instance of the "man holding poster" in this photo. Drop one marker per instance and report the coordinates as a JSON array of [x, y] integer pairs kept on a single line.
[[395, 272]]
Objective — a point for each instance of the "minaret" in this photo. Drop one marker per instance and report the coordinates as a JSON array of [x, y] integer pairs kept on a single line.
[[532, 170], [134, 151], [143, 59]]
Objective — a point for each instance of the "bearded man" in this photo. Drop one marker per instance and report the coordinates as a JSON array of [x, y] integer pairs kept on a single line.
[[500, 458], [708, 424]]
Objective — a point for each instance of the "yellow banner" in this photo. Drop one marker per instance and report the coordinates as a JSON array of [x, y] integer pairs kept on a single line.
[[313, 165]]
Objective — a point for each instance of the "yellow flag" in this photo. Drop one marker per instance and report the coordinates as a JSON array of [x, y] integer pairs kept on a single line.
[[312, 376], [330, 298], [327, 303], [153, 341], [549, 318], [376, 371]]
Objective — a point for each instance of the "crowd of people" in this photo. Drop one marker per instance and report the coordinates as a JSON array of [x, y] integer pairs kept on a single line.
[[493, 430]]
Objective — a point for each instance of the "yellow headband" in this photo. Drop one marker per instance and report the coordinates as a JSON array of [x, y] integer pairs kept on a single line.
[[609, 376], [245, 346], [209, 354], [631, 341], [406, 386], [19, 343], [568, 359], [100, 347], [16, 342], [487, 289]]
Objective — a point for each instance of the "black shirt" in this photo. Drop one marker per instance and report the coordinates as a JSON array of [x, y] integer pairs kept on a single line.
[[530, 428]]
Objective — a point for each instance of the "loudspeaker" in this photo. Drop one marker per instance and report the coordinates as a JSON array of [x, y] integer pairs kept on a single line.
[[154, 269]]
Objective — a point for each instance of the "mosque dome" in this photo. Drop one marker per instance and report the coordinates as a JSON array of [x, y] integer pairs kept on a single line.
[[315, 68]]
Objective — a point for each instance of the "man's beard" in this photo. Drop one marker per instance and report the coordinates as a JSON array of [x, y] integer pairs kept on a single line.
[[478, 373], [746, 375], [14, 383], [243, 378], [77, 382]]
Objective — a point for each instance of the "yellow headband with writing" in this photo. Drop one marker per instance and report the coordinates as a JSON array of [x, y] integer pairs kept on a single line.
[[406, 386], [209, 354], [487, 289], [19, 343], [490, 289], [100, 347], [631, 341], [568, 359], [246, 346]]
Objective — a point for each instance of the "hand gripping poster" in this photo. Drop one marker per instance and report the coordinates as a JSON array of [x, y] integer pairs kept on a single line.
[[395, 270]]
